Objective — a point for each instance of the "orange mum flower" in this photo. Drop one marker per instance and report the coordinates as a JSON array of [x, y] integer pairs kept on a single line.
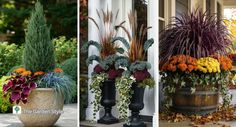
[[225, 62], [26, 73], [38, 73], [182, 66], [19, 70], [58, 70], [181, 62]]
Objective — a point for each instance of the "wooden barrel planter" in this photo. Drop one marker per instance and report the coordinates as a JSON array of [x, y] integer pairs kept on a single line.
[[202, 102]]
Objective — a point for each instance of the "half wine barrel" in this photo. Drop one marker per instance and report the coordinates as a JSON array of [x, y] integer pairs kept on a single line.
[[202, 102]]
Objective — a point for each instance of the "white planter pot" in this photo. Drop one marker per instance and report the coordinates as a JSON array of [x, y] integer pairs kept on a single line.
[[42, 109]]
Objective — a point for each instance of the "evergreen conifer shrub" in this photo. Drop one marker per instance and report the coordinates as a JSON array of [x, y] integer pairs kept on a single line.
[[39, 51]]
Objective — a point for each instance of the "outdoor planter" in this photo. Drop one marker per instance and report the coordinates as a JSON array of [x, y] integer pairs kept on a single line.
[[135, 106], [203, 101], [107, 101], [41, 99]]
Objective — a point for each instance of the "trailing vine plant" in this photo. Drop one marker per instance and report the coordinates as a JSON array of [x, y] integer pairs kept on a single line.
[[123, 85], [96, 83]]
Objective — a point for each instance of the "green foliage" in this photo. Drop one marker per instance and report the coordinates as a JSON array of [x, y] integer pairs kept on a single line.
[[175, 80], [147, 82], [15, 13], [91, 42], [69, 67], [65, 48], [11, 55], [60, 82], [96, 83], [139, 65], [39, 52], [123, 86], [5, 105], [148, 44]]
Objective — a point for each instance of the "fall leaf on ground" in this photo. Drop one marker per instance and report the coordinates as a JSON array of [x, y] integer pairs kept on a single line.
[[222, 114]]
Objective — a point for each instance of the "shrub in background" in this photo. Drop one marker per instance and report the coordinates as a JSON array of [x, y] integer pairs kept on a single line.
[[10, 55], [69, 67], [39, 50], [5, 105], [65, 48]]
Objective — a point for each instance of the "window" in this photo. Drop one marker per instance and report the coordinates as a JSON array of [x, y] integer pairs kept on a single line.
[[208, 7], [161, 15], [181, 7]]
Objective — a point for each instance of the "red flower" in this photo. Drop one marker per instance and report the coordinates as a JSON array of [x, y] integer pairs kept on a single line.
[[98, 69], [141, 75]]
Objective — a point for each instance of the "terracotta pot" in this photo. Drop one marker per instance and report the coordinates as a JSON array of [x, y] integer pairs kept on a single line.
[[42, 109]]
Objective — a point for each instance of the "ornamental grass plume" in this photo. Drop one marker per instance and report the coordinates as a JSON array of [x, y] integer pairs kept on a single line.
[[195, 34], [138, 49], [106, 32]]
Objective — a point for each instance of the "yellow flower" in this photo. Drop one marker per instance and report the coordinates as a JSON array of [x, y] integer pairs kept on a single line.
[[208, 65]]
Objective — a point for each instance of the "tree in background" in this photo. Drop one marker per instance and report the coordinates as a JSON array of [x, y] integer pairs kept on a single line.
[[39, 51], [62, 14]]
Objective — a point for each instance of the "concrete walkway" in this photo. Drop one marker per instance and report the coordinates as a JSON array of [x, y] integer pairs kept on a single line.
[[67, 119]]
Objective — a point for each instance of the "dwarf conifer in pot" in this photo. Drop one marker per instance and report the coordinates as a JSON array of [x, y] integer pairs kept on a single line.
[[38, 87]]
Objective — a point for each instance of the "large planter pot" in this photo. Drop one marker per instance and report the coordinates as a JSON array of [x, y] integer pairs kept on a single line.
[[42, 109], [107, 101], [202, 102], [135, 106]]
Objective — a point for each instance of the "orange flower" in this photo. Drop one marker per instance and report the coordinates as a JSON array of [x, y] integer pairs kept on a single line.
[[182, 66], [225, 62], [190, 68], [19, 70], [58, 70], [171, 67], [38, 73], [181, 62], [26, 73]]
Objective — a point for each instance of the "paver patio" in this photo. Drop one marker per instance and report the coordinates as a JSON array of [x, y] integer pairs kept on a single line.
[[67, 119]]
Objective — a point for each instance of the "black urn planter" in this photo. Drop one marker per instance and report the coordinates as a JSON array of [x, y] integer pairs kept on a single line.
[[107, 101], [135, 106]]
